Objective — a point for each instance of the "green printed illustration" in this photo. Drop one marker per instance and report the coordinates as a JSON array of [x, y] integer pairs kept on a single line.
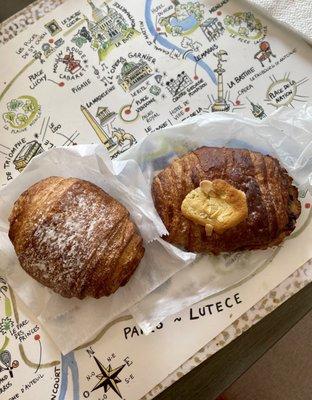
[[185, 19], [5, 325], [245, 25], [21, 112], [105, 30], [6, 322]]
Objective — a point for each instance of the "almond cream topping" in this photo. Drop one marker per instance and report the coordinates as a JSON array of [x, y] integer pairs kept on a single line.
[[217, 205]]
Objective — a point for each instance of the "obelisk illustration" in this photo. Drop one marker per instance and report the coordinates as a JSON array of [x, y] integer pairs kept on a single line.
[[102, 135], [221, 104]]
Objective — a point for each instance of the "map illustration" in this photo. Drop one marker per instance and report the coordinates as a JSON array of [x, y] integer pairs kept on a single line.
[[112, 72]]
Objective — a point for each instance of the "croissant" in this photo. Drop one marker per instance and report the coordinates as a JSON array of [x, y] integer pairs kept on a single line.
[[272, 202], [74, 238]]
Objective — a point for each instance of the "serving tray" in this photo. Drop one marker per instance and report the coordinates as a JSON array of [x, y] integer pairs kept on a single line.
[[123, 70]]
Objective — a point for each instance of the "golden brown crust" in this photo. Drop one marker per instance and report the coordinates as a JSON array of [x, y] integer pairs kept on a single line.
[[273, 205], [74, 238]]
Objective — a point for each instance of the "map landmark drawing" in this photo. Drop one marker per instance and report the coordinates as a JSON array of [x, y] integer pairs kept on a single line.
[[98, 129], [106, 29], [30, 150], [257, 110], [220, 104], [8, 365], [115, 139], [212, 28], [176, 39]]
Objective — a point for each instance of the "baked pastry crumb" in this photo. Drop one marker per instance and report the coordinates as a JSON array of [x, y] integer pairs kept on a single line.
[[216, 204]]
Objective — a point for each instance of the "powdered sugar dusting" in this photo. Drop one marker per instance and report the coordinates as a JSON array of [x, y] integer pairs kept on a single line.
[[67, 236]]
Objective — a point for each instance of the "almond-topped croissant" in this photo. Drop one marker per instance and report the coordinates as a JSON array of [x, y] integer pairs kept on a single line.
[[215, 204], [74, 238], [223, 200]]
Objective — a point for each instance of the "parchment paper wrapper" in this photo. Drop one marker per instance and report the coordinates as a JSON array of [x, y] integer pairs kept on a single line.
[[71, 322], [286, 135]]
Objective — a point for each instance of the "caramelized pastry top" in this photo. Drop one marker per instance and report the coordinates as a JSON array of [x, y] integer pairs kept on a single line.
[[272, 200]]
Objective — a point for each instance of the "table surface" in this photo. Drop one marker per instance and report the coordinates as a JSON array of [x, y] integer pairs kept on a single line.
[[213, 376]]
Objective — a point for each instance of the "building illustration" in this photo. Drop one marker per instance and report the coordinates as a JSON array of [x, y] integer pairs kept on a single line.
[[53, 27], [72, 65], [257, 110], [133, 74], [212, 29], [107, 25], [176, 86], [105, 116], [106, 28], [30, 150]]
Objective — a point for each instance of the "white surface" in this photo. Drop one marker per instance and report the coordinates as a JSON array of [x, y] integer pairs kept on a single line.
[[295, 14]]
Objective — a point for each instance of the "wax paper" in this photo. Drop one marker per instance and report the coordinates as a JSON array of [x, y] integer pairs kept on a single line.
[[70, 322], [286, 135]]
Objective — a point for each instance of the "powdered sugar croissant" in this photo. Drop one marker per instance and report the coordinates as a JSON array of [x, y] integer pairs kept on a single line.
[[74, 238]]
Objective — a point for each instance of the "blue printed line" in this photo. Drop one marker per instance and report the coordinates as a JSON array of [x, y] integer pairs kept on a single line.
[[165, 43], [69, 363]]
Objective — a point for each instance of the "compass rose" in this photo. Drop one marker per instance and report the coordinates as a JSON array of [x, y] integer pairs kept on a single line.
[[108, 378]]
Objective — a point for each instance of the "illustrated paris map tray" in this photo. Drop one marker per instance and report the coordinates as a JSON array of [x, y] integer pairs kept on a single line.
[[78, 72]]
